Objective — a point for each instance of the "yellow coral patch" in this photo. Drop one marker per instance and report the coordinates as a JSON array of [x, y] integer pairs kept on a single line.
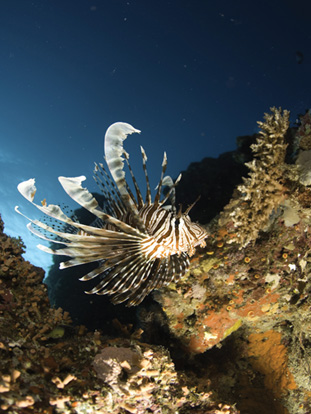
[[232, 328]]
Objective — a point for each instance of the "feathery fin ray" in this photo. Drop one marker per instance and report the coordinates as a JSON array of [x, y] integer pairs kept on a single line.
[[139, 245]]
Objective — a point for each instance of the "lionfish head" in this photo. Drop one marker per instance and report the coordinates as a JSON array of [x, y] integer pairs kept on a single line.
[[139, 244]]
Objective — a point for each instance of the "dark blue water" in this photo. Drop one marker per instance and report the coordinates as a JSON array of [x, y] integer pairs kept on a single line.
[[192, 75]]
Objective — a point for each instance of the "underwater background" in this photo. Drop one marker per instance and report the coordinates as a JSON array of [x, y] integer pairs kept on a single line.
[[191, 75], [222, 87]]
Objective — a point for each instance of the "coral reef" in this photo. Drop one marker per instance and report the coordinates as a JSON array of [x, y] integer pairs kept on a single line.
[[49, 366], [142, 377], [249, 285], [232, 336], [263, 191]]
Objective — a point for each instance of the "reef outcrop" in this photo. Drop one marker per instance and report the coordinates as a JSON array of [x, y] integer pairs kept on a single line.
[[47, 365], [251, 285]]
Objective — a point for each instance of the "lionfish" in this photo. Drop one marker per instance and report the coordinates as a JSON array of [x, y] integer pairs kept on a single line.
[[139, 245]]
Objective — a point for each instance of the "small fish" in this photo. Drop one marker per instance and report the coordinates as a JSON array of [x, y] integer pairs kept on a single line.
[[140, 245]]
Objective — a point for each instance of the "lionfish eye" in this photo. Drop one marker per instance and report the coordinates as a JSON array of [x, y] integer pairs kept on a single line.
[[137, 247]]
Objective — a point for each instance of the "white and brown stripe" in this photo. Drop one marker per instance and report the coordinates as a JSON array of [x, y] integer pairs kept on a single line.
[[139, 245]]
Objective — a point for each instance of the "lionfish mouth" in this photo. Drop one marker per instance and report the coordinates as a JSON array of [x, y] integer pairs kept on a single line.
[[140, 245]]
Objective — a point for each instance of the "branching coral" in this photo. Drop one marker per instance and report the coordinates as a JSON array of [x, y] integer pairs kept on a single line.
[[263, 190]]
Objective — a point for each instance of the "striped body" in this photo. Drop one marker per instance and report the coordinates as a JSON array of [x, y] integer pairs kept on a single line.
[[177, 235], [140, 245]]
